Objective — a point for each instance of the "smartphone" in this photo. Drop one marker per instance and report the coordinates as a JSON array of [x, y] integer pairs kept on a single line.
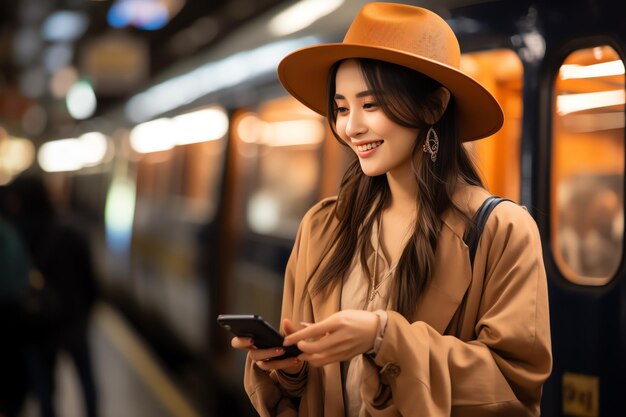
[[262, 333]]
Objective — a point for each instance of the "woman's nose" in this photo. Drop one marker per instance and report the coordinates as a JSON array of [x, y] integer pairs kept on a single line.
[[356, 125]]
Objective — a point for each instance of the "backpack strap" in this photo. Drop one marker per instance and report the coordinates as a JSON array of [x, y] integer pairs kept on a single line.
[[472, 235]]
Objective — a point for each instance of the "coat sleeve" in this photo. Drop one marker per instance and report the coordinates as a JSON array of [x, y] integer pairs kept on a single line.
[[419, 371], [271, 393]]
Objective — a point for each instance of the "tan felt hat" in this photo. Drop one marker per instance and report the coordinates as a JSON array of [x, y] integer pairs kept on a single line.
[[405, 35]]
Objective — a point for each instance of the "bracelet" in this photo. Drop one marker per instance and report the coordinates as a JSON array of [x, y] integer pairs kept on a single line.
[[382, 326]]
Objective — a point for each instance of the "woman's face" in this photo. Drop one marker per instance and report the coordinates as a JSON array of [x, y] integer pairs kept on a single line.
[[382, 145]]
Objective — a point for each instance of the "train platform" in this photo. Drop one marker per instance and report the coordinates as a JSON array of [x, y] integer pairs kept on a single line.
[[130, 381]]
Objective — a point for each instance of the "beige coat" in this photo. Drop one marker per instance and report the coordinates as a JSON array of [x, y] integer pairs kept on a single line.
[[497, 365]]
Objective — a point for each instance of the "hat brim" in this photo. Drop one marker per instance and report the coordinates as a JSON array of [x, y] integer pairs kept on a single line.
[[304, 74]]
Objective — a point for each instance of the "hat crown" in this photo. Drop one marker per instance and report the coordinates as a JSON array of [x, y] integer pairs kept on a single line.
[[408, 29]]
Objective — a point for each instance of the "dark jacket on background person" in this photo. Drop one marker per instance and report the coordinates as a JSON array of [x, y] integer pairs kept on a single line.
[[61, 262], [14, 269]]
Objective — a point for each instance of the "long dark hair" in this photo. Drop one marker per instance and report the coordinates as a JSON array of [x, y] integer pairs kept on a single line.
[[405, 96]]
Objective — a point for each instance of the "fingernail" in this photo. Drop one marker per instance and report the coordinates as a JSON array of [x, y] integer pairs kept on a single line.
[[280, 350], [305, 324]]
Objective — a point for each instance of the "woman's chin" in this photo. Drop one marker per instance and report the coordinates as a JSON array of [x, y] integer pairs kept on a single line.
[[371, 171]]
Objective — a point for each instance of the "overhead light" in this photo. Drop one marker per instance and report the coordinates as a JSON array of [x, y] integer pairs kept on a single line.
[[73, 154], [143, 14], [153, 136], [301, 15], [251, 129], [210, 77], [604, 69], [570, 103], [64, 26], [81, 100], [16, 155], [60, 155], [119, 213], [94, 146], [162, 134], [200, 126]]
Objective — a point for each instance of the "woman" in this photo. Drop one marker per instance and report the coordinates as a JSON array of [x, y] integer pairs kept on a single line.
[[380, 295]]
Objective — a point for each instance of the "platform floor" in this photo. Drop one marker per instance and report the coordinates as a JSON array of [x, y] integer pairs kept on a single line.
[[131, 383]]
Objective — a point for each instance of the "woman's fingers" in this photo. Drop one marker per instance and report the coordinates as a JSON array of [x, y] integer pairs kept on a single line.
[[313, 331], [263, 357], [265, 354], [323, 344], [291, 364], [242, 342], [324, 358], [289, 326], [256, 354]]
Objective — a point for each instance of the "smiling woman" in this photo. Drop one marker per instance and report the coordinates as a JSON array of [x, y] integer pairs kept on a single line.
[[379, 291]]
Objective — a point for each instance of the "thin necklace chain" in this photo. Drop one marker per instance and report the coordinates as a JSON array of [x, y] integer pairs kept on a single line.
[[373, 286]]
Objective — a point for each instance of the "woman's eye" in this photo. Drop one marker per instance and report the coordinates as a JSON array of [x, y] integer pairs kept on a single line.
[[370, 105], [340, 109]]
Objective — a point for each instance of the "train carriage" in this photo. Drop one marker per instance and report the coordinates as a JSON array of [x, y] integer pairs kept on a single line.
[[212, 223]]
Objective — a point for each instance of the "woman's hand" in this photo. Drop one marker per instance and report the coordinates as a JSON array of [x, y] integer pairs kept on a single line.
[[340, 337], [261, 356]]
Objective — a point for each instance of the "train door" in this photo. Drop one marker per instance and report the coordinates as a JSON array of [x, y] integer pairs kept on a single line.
[[585, 237]]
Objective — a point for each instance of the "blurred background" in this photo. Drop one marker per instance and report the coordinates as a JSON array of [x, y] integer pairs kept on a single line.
[[153, 173]]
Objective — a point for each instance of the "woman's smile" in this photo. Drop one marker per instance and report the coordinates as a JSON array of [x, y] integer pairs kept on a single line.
[[365, 149]]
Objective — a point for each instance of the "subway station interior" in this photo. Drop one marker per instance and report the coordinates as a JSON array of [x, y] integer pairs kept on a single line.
[[158, 131]]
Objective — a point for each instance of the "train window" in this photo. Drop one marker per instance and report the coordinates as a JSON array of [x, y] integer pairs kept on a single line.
[[587, 179], [498, 157], [201, 178], [186, 170], [154, 175], [281, 143]]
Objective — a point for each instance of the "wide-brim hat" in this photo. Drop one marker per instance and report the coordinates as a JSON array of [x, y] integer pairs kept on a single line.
[[410, 36]]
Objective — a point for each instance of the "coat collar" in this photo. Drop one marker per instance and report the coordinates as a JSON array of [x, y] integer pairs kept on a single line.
[[452, 273]]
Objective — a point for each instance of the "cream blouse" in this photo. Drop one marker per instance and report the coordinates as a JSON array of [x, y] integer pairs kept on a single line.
[[356, 295]]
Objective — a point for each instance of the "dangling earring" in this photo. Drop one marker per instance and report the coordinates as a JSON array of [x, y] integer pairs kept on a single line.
[[431, 144]]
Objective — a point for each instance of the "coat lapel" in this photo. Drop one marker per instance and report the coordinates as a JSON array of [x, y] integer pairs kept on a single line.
[[451, 279], [452, 273]]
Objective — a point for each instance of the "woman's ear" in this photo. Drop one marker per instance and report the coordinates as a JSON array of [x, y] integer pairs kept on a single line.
[[441, 95]]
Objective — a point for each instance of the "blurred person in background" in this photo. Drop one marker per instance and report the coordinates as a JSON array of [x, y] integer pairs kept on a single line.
[[62, 266], [14, 269], [590, 233]]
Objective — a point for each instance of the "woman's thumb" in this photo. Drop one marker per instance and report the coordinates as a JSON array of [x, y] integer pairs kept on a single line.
[[288, 326]]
